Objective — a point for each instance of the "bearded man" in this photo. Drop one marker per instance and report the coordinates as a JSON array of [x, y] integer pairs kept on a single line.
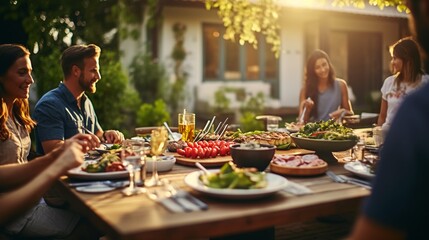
[[66, 110]]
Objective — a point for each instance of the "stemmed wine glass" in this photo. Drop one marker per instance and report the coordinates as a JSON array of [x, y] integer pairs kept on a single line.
[[133, 156], [158, 143]]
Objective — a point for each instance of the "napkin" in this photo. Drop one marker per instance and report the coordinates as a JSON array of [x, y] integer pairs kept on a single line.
[[296, 189]]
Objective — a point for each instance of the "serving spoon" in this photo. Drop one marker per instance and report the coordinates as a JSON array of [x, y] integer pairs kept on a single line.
[[169, 131], [202, 168]]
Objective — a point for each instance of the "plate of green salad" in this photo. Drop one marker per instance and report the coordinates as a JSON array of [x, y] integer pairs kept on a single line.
[[235, 183]]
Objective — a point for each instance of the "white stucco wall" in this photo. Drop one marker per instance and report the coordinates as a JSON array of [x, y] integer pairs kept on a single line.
[[292, 57], [291, 61]]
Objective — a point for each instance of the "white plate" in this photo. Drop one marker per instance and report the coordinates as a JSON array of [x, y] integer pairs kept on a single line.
[[275, 184], [165, 164], [97, 188], [80, 174], [359, 169]]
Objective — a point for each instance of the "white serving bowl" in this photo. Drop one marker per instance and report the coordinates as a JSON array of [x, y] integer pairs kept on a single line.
[[164, 163]]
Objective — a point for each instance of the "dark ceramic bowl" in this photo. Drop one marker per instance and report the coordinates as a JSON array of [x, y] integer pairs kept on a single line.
[[258, 158]]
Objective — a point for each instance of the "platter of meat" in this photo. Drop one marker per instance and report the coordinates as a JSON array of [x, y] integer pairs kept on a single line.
[[298, 165]]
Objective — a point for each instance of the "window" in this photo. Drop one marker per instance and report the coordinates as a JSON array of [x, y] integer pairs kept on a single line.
[[225, 60]]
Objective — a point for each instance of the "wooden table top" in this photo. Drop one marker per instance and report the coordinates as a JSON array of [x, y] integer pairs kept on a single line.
[[137, 217]]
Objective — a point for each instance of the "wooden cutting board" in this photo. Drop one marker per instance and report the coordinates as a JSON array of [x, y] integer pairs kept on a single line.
[[218, 161]]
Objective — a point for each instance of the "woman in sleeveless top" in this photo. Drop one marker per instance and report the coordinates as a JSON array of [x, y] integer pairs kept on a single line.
[[323, 96]]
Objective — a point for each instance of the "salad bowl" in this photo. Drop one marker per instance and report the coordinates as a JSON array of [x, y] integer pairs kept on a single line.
[[323, 145]]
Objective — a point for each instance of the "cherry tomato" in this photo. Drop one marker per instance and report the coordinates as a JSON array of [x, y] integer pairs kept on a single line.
[[214, 152], [188, 152], [201, 153], [208, 152], [217, 147], [115, 166], [182, 152], [223, 151], [194, 153]]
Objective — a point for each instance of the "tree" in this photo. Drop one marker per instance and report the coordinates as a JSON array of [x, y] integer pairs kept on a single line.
[[244, 19]]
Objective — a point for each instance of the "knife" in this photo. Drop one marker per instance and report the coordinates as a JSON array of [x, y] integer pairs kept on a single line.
[[200, 204], [105, 182], [351, 179]]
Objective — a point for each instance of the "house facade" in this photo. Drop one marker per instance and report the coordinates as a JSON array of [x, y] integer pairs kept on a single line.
[[357, 41]]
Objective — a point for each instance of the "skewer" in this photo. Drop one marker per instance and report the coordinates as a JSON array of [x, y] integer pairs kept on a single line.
[[202, 131], [223, 132], [217, 128], [223, 125]]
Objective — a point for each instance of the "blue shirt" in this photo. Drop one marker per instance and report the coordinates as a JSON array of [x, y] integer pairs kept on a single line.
[[58, 116], [400, 196]]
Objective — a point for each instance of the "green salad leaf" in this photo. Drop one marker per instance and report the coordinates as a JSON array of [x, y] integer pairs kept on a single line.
[[328, 130], [232, 177]]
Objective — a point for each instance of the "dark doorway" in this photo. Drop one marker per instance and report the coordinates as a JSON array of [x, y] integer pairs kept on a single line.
[[365, 68]]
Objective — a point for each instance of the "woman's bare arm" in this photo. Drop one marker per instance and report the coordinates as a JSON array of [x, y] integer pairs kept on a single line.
[[24, 197], [383, 113], [345, 100]]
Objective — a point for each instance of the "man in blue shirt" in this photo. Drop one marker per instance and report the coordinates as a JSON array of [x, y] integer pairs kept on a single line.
[[65, 111], [398, 207]]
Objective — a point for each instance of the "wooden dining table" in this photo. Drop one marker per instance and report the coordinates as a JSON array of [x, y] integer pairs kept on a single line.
[[138, 217]]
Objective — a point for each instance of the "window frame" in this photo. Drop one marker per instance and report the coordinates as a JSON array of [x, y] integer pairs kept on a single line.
[[241, 58]]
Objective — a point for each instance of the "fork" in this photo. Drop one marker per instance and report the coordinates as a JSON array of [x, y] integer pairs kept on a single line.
[[346, 178], [168, 203], [340, 179], [168, 200]]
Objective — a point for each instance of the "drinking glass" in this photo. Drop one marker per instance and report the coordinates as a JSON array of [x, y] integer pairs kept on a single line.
[[272, 123], [186, 126], [133, 157], [158, 144]]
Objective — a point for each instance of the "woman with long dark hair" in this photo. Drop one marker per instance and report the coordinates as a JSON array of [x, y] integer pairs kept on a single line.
[[323, 96]]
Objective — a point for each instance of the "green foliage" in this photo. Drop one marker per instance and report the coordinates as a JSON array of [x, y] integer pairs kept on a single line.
[[222, 103], [130, 14], [249, 123], [47, 71], [178, 54], [254, 104], [251, 108], [114, 102], [399, 4], [52, 26], [244, 19], [149, 78], [153, 114]]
